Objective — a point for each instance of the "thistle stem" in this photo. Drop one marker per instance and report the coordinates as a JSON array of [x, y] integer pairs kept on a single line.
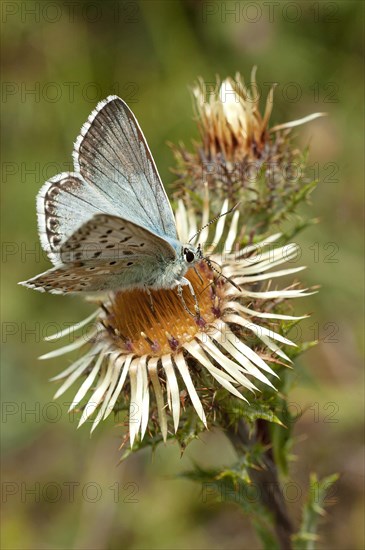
[[265, 477]]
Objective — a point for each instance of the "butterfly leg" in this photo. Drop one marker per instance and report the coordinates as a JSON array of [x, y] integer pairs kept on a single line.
[[200, 277], [185, 281], [180, 293]]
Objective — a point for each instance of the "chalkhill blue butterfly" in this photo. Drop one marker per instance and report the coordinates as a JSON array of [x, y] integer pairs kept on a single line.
[[109, 226]]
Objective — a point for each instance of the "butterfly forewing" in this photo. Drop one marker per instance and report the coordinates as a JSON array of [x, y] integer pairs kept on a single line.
[[112, 155]]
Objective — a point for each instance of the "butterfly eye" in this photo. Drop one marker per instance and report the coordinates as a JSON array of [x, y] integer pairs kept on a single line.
[[189, 255]]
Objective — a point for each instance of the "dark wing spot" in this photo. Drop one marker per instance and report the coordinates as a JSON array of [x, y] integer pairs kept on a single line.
[[130, 263], [96, 254], [112, 263]]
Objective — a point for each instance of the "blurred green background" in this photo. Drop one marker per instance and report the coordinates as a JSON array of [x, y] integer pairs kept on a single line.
[[61, 488]]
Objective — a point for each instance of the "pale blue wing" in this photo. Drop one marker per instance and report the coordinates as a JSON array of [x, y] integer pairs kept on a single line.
[[112, 156]]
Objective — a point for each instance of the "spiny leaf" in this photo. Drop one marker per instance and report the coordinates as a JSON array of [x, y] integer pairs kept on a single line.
[[313, 511], [267, 537]]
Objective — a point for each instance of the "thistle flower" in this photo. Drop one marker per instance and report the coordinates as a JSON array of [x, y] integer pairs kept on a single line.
[[240, 156], [159, 360], [229, 119]]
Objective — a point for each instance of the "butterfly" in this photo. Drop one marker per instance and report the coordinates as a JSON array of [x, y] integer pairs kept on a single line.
[[109, 226]]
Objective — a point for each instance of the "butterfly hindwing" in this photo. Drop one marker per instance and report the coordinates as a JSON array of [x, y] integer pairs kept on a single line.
[[90, 277], [106, 253]]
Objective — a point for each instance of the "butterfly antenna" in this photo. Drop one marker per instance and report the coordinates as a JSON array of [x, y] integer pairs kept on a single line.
[[209, 262], [214, 220]]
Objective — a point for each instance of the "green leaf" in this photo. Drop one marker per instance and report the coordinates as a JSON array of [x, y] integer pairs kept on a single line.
[[228, 485], [313, 510], [268, 540], [253, 411]]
